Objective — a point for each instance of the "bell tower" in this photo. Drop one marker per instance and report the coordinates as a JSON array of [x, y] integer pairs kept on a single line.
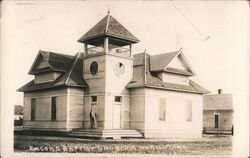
[[108, 68]]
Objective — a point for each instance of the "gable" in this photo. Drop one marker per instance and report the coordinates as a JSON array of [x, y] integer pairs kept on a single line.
[[49, 61], [39, 65], [177, 63], [42, 64], [160, 61], [71, 78], [149, 79], [173, 62]]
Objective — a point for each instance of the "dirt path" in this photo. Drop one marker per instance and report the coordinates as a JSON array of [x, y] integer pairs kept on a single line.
[[208, 145]]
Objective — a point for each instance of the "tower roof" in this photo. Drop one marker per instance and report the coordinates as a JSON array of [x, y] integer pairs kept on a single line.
[[108, 26]]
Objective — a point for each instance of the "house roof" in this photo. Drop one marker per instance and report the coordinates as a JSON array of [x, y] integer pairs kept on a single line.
[[160, 62], [218, 102], [55, 61], [144, 77], [71, 78], [108, 26]]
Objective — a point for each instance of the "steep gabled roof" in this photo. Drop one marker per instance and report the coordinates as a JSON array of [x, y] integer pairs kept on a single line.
[[160, 63], [144, 77], [56, 62], [108, 26], [218, 102], [72, 78]]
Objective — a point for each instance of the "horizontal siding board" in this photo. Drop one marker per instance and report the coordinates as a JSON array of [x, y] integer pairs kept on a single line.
[[49, 92], [43, 109], [44, 124], [76, 108]]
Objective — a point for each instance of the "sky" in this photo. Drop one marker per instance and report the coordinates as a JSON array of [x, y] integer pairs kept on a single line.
[[160, 26], [221, 61]]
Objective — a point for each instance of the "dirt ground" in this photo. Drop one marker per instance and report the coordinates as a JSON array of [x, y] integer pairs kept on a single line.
[[209, 145]]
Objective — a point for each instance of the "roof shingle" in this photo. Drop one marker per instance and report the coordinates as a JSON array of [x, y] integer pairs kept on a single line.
[[146, 78], [108, 26], [218, 102], [56, 62], [72, 78]]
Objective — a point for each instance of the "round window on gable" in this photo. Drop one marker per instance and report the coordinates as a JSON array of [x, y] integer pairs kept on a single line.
[[93, 68]]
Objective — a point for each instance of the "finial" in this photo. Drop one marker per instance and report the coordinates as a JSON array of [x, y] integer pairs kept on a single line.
[[180, 48], [108, 11]]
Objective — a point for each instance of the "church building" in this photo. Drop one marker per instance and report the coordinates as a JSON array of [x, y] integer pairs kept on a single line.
[[131, 95]]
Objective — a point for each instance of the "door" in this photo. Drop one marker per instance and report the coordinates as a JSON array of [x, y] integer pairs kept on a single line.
[[216, 121], [117, 116]]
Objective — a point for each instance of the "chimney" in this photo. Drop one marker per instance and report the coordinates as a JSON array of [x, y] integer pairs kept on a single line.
[[219, 91]]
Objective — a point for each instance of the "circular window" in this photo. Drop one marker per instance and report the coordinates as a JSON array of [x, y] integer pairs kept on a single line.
[[93, 68], [119, 69]]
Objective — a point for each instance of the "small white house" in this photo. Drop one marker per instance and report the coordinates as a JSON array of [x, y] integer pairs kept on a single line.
[[218, 113], [152, 94]]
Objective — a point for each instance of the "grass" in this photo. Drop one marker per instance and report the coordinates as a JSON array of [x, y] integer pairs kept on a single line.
[[209, 145]]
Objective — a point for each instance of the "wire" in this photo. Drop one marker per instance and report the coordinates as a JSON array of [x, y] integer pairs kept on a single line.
[[190, 22]]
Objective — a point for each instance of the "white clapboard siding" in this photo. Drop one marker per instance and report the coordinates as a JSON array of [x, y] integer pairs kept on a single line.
[[137, 108]]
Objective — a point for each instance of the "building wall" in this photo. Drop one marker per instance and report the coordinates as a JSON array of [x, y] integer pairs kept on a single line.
[[225, 120], [176, 123], [96, 85], [96, 82], [174, 78], [115, 85], [46, 77], [137, 107], [43, 110], [75, 108], [106, 84], [99, 107], [69, 111]]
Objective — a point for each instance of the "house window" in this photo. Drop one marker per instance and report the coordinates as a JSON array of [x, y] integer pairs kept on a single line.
[[162, 109], [93, 68], [189, 111], [216, 121], [33, 109], [118, 99], [93, 99], [53, 108]]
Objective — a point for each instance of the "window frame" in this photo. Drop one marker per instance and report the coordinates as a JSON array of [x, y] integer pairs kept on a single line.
[[118, 102], [53, 108], [159, 108], [189, 111], [218, 125], [33, 109], [91, 99]]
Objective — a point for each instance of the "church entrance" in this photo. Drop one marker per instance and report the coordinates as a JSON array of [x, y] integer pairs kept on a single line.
[[117, 115]]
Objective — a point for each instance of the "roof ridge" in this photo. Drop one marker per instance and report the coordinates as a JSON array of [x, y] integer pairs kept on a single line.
[[107, 24], [57, 53], [177, 52], [72, 67]]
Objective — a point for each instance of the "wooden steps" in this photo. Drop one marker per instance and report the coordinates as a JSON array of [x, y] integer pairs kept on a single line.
[[106, 133]]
